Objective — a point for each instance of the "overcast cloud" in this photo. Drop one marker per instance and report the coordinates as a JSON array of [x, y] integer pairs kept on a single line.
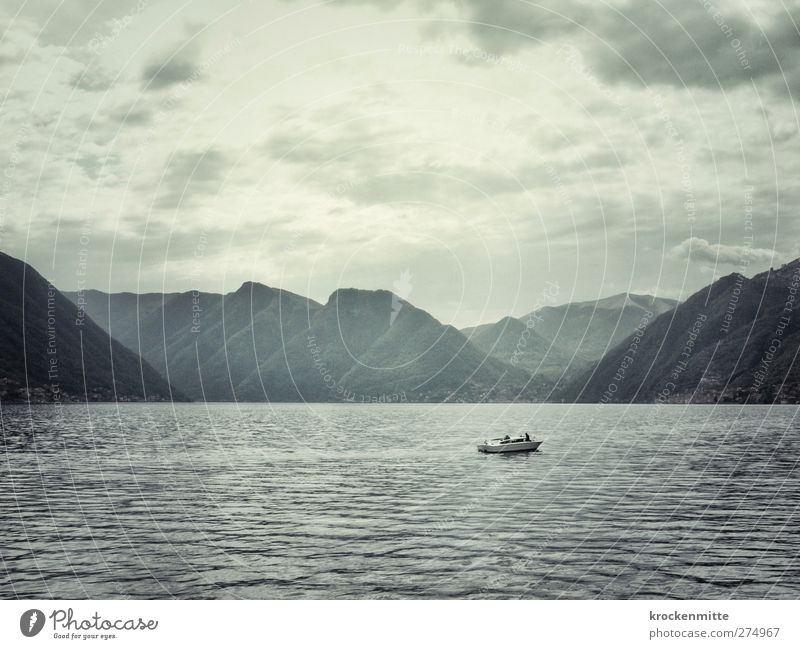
[[485, 147]]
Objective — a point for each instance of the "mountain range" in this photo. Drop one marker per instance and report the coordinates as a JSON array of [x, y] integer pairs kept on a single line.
[[205, 343], [259, 343], [734, 341], [51, 351], [556, 343]]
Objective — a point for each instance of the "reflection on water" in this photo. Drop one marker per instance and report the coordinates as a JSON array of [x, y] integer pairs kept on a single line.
[[350, 501]]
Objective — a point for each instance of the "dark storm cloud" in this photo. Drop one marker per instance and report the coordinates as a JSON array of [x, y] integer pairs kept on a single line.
[[693, 43], [189, 175], [504, 27], [677, 42], [172, 71]]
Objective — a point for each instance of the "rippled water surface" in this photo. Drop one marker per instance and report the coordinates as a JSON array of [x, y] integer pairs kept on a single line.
[[349, 501]]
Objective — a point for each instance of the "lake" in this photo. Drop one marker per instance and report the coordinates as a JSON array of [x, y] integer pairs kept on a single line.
[[393, 501]]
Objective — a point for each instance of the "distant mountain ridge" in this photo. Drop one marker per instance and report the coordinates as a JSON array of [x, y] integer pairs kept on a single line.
[[591, 328], [735, 341], [520, 345], [264, 344], [555, 343], [205, 343], [259, 343], [52, 352]]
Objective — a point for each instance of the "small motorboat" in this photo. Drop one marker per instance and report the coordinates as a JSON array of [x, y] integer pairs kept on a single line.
[[509, 445]]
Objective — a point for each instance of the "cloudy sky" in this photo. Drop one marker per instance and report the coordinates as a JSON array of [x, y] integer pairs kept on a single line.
[[461, 152]]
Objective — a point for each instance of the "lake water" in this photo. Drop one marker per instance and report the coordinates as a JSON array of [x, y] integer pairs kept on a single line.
[[388, 501]]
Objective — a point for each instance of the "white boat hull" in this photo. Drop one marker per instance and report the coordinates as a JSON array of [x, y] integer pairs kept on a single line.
[[509, 448]]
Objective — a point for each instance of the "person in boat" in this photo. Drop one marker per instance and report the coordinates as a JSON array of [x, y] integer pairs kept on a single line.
[[506, 438], [527, 437]]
